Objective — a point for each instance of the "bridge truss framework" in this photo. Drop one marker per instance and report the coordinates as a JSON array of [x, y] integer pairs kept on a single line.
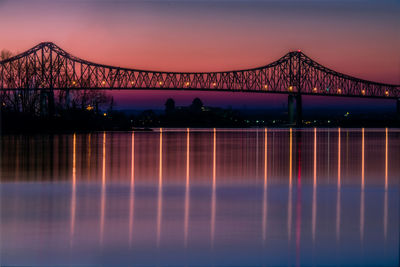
[[47, 67]]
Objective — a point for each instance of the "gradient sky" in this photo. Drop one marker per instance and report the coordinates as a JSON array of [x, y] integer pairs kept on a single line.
[[356, 37]]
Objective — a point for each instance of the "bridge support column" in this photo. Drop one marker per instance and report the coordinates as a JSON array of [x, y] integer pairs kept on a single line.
[[299, 111], [43, 104], [291, 108], [67, 99], [50, 102]]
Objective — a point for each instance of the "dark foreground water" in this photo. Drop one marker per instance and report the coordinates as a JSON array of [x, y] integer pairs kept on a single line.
[[201, 198]]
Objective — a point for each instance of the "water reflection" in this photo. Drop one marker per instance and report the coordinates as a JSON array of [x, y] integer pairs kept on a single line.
[[187, 189], [314, 196], [73, 196], [338, 212], [103, 190], [289, 217], [106, 197], [362, 184], [132, 191], [214, 187], [160, 190], [265, 207]]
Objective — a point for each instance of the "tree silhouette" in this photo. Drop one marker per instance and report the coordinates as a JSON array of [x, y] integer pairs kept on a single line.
[[196, 105], [169, 106]]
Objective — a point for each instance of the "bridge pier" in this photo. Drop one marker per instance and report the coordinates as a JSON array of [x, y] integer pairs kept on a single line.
[[50, 102], [299, 111], [291, 108], [43, 106], [67, 99]]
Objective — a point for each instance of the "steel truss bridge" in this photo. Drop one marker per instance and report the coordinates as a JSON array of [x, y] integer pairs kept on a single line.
[[47, 67]]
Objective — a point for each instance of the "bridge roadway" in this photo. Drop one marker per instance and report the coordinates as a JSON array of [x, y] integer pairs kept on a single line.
[[48, 68]]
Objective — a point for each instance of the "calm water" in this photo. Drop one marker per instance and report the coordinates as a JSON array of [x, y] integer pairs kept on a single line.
[[201, 198]]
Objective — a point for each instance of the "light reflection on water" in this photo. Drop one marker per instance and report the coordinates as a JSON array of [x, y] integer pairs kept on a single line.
[[201, 197]]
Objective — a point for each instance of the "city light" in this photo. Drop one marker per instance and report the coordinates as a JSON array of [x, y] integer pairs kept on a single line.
[[315, 89], [266, 86], [363, 92], [290, 88], [339, 91]]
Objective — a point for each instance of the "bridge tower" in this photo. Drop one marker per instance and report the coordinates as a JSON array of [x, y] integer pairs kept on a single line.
[[295, 82]]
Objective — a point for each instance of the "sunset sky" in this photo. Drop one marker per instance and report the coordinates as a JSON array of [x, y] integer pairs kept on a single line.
[[356, 37]]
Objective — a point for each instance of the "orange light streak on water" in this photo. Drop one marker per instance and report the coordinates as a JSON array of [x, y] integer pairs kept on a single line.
[[338, 189], [289, 217], [264, 210], [385, 203], [362, 159], [213, 195], [132, 190], [73, 196], [314, 197], [362, 185], [386, 158], [187, 189], [159, 197], [103, 190]]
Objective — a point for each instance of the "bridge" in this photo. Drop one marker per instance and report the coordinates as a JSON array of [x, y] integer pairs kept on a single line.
[[47, 68]]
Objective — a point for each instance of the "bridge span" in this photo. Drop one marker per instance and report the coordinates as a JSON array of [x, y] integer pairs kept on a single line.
[[47, 68]]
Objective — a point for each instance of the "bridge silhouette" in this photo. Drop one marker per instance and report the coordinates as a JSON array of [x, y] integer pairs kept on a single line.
[[48, 68]]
